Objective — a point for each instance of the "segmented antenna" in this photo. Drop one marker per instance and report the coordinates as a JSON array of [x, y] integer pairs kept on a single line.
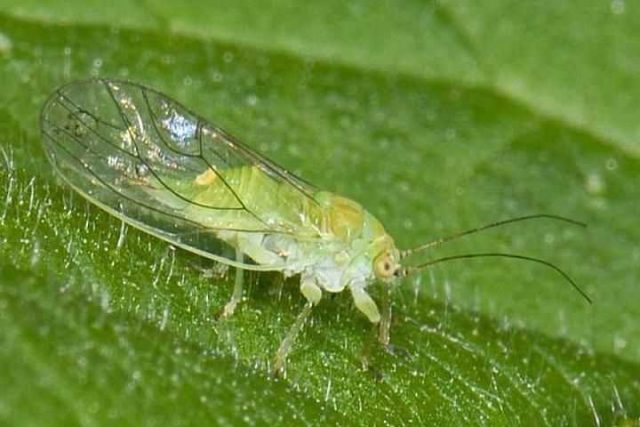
[[405, 253], [413, 269]]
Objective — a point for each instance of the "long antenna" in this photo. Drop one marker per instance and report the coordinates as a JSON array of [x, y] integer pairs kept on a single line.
[[442, 240], [413, 269]]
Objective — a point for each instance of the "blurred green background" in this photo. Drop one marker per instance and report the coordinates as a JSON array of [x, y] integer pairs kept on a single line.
[[437, 116]]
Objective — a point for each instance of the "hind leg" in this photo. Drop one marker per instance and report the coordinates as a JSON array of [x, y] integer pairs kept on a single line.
[[236, 296]]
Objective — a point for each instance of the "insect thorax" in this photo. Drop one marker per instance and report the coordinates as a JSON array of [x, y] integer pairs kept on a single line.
[[349, 240]]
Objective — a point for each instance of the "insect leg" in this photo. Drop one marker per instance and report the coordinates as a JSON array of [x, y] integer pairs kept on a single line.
[[385, 319], [289, 339], [236, 297], [365, 303], [310, 290]]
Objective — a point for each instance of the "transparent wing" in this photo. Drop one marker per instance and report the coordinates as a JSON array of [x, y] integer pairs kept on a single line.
[[151, 162]]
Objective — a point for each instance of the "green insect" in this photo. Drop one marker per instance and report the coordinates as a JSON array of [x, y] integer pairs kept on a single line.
[[146, 159]]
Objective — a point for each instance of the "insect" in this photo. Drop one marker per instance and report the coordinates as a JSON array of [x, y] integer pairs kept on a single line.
[[146, 159]]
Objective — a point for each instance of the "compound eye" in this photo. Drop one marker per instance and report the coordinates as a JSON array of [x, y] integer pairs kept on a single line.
[[384, 266]]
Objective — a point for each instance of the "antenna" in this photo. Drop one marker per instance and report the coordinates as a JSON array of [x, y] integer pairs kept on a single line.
[[413, 269], [436, 242]]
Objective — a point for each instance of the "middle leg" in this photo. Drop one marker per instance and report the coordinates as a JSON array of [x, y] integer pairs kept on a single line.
[[313, 294]]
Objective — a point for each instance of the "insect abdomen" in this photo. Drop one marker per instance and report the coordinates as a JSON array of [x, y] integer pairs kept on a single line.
[[269, 202]]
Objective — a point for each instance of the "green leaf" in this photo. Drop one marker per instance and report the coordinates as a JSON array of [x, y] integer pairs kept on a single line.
[[437, 117]]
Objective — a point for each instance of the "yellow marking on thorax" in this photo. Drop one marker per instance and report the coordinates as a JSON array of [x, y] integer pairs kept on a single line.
[[207, 177], [345, 217]]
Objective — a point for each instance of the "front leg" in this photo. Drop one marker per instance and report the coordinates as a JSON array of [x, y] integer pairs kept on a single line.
[[384, 327], [380, 318], [385, 320], [365, 303]]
